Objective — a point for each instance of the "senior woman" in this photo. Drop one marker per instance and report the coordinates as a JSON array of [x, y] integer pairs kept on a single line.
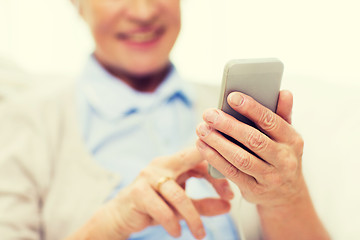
[[72, 166]]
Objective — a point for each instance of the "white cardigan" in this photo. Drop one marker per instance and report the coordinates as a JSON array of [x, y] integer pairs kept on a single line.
[[49, 184]]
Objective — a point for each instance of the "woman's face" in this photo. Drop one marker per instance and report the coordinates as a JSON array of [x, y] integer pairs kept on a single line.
[[135, 36]]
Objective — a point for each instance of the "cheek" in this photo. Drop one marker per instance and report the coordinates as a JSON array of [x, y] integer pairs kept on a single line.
[[103, 21], [177, 22], [174, 19], [173, 9]]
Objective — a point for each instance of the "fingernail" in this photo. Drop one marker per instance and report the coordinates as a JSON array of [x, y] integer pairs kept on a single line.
[[204, 130], [228, 190], [201, 144], [211, 116], [236, 99], [201, 233]]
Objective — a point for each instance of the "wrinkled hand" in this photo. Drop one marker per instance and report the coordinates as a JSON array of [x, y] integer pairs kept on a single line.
[[276, 178], [141, 204]]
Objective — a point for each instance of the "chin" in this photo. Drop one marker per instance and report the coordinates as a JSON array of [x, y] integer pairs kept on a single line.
[[145, 71], [136, 64], [140, 68]]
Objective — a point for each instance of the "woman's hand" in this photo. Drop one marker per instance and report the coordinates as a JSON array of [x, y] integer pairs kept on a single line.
[[157, 196], [273, 179], [274, 176]]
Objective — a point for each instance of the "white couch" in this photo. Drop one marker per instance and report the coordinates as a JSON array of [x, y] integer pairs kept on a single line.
[[328, 117]]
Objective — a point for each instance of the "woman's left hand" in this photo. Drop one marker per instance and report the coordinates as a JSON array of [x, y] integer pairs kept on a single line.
[[274, 178]]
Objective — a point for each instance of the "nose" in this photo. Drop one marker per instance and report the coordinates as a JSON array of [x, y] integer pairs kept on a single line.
[[142, 11]]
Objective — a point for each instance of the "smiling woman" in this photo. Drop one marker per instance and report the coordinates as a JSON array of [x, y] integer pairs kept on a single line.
[[132, 115], [133, 38], [109, 157]]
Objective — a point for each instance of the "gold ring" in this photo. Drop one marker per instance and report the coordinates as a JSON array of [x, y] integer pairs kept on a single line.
[[161, 181]]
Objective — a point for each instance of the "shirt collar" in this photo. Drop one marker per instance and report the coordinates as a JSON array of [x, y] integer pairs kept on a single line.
[[111, 98]]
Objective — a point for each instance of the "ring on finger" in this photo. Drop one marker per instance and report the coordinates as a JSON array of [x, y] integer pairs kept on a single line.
[[161, 181]]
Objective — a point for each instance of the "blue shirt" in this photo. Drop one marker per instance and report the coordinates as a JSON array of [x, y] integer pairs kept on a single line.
[[125, 130]]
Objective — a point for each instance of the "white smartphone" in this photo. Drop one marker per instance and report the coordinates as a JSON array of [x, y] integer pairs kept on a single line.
[[258, 78]]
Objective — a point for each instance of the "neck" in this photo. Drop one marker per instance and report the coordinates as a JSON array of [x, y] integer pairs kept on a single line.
[[142, 83]]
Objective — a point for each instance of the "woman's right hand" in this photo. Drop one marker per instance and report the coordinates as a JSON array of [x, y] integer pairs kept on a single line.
[[150, 200]]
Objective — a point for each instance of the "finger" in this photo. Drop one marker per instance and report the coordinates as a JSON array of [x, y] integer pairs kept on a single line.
[[221, 186], [152, 204], [272, 124], [238, 157], [285, 104], [252, 138], [181, 161], [211, 206], [240, 178], [177, 197]]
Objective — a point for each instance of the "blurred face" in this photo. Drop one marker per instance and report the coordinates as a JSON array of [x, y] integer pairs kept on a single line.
[[134, 36]]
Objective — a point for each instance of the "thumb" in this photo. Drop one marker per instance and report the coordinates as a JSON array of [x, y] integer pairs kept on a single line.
[[285, 104]]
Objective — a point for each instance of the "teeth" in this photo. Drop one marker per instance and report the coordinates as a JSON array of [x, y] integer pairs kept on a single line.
[[142, 37]]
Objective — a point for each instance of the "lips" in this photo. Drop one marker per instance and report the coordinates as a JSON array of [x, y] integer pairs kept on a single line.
[[142, 35]]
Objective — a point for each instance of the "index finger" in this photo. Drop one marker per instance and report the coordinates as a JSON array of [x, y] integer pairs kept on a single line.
[[180, 162], [269, 122]]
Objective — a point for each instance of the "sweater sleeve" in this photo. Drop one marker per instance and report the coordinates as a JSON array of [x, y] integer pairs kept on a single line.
[[22, 175]]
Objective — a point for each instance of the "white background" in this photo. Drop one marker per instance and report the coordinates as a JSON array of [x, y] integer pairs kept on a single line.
[[318, 41], [312, 37]]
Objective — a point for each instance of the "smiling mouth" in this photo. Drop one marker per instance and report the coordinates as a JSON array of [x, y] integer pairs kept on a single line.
[[142, 36]]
